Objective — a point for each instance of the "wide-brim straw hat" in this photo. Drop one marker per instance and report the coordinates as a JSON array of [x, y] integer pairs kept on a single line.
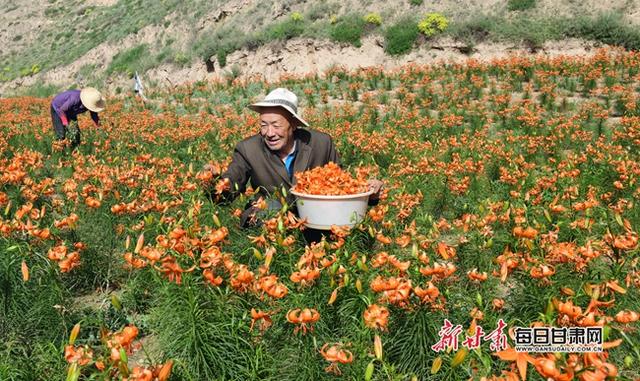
[[281, 97], [92, 99]]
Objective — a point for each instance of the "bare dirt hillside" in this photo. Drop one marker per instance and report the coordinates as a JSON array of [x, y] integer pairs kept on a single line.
[[74, 43]]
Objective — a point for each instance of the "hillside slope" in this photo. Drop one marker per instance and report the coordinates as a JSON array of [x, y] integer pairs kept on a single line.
[[53, 44]]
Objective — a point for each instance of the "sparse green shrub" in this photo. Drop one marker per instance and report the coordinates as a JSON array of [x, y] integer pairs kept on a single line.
[[415, 2], [607, 28], [521, 29], [400, 37], [474, 30], [348, 29], [521, 5], [432, 24], [284, 30], [227, 40], [321, 10], [164, 55], [221, 43], [86, 70], [41, 90], [373, 18], [52, 11], [168, 55], [320, 29], [233, 73], [221, 56], [131, 60], [181, 59], [532, 31]]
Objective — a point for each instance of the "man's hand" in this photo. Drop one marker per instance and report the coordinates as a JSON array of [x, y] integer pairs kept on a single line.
[[377, 186], [210, 178], [214, 169], [223, 185], [209, 173]]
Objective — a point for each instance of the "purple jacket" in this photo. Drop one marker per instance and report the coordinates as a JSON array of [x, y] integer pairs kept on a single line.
[[68, 105]]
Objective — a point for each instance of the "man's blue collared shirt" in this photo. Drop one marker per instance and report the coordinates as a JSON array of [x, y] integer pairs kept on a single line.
[[288, 161]]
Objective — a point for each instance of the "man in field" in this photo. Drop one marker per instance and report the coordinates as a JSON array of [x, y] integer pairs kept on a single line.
[[282, 148], [65, 108]]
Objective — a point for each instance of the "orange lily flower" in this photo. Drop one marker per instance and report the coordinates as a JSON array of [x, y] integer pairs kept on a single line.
[[521, 359], [336, 355], [303, 318], [264, 318], [376, 317]]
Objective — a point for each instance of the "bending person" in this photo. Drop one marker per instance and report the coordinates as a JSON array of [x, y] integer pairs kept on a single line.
[[65, 108]]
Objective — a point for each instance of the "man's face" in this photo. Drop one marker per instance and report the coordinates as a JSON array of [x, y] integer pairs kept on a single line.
[[276, 129]]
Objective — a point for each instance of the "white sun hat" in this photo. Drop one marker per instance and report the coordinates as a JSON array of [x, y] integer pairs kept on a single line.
[[280, 97], [92, 99]]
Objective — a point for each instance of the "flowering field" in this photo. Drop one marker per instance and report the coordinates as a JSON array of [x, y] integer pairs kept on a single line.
[[509, 202]]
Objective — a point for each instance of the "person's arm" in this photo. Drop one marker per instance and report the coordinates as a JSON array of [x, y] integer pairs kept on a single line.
[[62, 111], [238, 171], [95, 117], [375, 185], [333, 153], [233, 181], [63, 118]]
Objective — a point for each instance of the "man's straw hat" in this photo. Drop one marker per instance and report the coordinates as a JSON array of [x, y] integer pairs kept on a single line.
[[280, 98], [92, 99]]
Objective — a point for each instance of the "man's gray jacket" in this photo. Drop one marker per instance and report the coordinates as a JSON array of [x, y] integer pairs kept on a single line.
[[253, 162]]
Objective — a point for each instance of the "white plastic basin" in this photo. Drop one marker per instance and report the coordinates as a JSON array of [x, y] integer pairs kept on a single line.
[[323, 211]]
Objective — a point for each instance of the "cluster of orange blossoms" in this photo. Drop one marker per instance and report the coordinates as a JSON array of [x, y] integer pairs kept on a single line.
[[329, 180], [591, 366], [66, 261]]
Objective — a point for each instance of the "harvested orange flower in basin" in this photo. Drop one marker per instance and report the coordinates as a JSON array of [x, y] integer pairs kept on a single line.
[[329, 180], [327, 196]]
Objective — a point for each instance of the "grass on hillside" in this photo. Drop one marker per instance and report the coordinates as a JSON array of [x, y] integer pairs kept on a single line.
[[75, 31]]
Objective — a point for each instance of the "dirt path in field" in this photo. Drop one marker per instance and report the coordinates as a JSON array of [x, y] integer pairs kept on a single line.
[[147, 346]]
